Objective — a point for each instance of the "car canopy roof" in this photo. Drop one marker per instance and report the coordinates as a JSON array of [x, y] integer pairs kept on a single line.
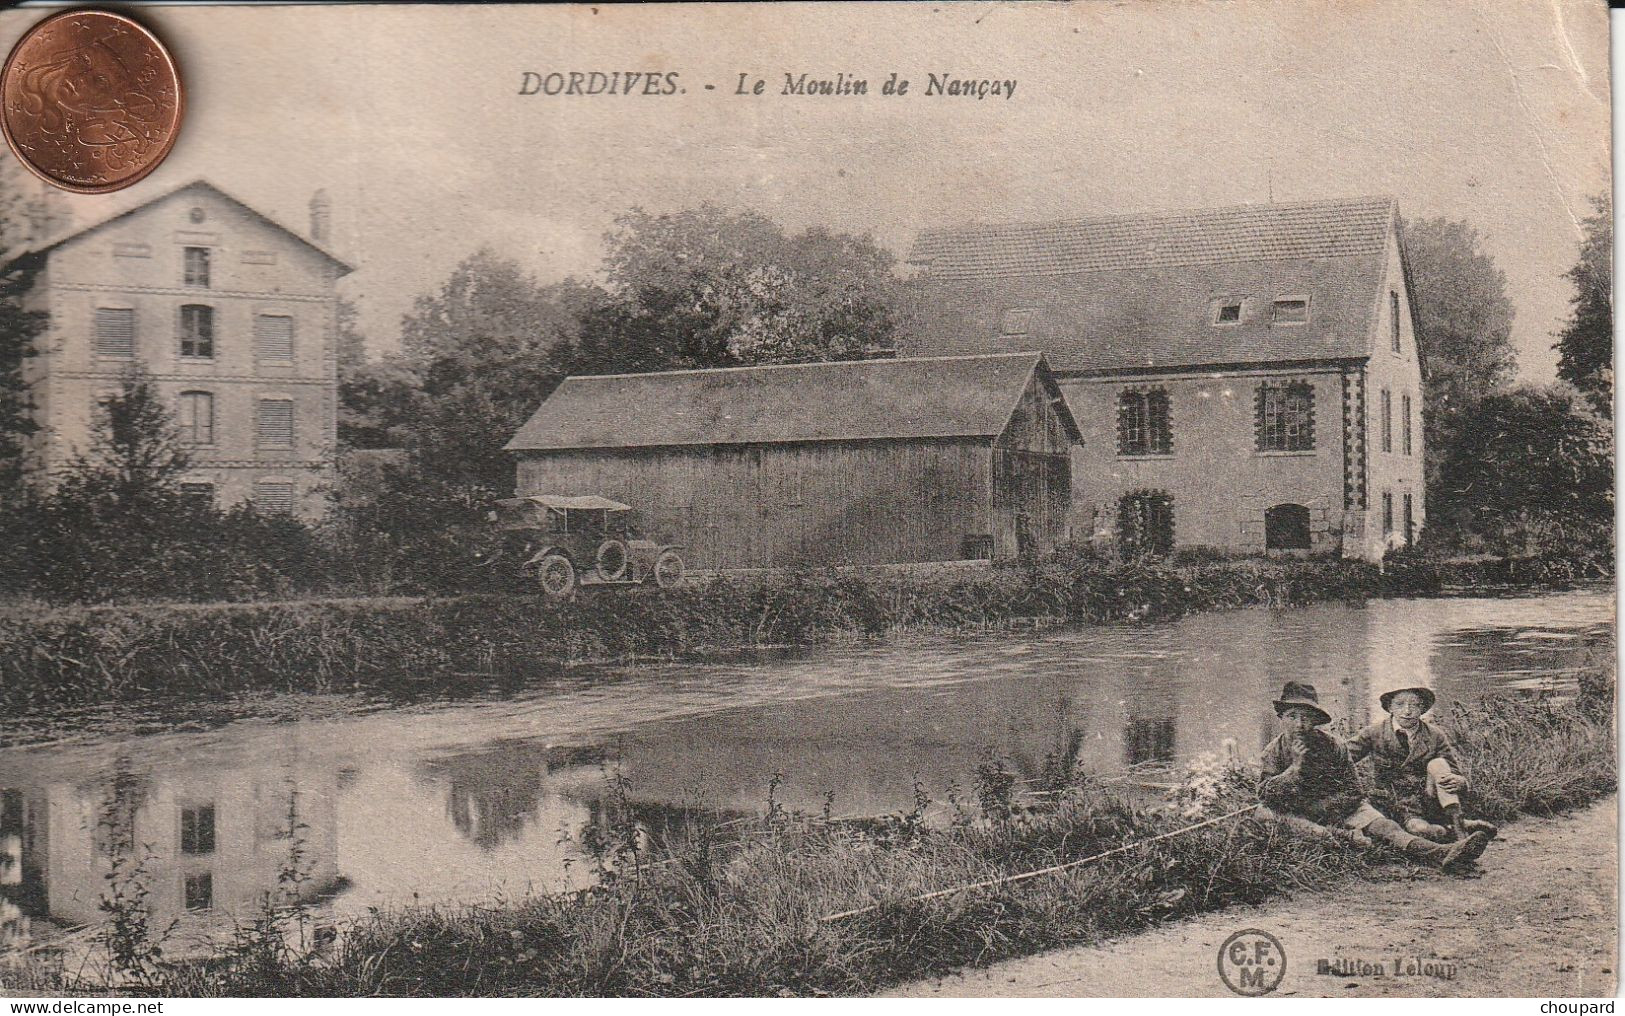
[[561, 501]]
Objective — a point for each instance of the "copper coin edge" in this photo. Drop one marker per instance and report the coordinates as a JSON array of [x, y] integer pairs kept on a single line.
[[138, 175]]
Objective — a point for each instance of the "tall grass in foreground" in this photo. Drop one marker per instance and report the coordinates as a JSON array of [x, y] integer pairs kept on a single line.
[[743, 916]]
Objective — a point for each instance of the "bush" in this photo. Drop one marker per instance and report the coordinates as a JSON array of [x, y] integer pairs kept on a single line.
[[64, 551]]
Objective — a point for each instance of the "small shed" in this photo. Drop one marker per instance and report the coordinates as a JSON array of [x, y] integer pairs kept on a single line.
[[853, 462]]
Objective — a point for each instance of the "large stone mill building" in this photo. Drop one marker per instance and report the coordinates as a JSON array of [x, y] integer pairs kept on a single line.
[[1245, 379]]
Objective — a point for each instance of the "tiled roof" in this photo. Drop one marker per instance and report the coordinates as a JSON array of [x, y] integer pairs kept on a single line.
[[934, 397], [1141, 292], [1311, 229], [1162, 318], [54, 242]]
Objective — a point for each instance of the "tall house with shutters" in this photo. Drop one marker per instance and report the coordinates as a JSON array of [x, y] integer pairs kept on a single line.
[[1245, 379], [232, 315]]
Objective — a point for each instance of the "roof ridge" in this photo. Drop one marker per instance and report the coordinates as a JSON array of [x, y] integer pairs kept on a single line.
[[50, 243], [956, 395], [1030, 354], [1153, 215]]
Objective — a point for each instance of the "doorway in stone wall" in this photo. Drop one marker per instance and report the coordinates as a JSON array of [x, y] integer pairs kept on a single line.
[[1145, 523], [1286, 527]]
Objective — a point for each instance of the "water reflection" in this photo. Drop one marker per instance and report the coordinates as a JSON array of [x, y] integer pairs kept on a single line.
[[475, 799], [202, 845]]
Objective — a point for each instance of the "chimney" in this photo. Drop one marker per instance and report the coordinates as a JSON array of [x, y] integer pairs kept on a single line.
[[321, 212], [47, 216]]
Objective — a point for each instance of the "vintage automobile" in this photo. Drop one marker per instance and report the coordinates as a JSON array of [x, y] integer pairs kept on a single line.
[[587, 541]]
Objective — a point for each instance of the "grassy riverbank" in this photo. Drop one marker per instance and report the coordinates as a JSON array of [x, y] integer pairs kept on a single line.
[[56, 657], [744, 915]]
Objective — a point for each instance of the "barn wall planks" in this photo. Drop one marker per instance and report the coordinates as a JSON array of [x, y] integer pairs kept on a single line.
[[767, 506], [1032, 475]]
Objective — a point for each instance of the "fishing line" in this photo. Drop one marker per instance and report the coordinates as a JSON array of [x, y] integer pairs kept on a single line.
[[1024, 876]]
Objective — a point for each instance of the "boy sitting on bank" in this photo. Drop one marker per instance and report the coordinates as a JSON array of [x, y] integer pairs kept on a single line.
[[1309, 782], [1417, 775]]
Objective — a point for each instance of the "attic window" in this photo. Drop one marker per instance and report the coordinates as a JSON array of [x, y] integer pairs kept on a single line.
[[1229, 312], [1016, 321], [1290, 311]]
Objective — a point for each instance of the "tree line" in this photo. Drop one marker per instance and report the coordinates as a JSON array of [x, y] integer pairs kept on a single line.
[[1513, 469]]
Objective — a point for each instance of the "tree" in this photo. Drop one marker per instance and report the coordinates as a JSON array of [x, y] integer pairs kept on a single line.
[[1534, 473], [350, 344], [20, 218], [1464, 319], [376, 405], [482, 353], [136, 458], [710, 287], [376, 397], [1586, 344]]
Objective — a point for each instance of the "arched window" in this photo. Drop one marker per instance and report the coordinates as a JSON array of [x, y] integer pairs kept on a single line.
[[197, 331], [197, 418], [1286, 527]]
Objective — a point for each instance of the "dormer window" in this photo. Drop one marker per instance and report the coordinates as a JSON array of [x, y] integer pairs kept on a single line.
[[1016, 322], [1290, 310], [1229, 313]]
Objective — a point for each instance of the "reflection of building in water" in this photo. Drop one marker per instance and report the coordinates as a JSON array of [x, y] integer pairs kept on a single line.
[[203, 843], [1150, 707], [1149, 740], [494, 795], [1130, 697], [22, 846]]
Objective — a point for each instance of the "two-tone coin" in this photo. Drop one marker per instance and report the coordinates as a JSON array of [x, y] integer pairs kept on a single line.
[[90, 101]]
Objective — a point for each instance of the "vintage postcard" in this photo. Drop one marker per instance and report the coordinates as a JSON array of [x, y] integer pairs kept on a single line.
[[1095, 499]]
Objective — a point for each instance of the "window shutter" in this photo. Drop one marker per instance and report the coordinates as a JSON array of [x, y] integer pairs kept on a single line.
[[199, 493], [273, 337], [115, 331], [276, 423], [273, 498]]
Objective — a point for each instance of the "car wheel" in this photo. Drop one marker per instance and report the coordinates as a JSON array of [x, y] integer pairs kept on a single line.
[[612, 559], [558, 576], [668, 569]]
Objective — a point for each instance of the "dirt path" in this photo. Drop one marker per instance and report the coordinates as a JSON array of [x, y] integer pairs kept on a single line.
[[1541, 919]]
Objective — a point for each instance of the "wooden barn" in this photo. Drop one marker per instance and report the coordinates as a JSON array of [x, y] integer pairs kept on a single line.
[[859, 462]]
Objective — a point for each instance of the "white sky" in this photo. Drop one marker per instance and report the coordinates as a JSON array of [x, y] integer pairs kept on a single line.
[[1496, 112]]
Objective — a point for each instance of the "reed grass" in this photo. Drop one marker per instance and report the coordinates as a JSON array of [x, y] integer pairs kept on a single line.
[[51, 658], [743, 916]]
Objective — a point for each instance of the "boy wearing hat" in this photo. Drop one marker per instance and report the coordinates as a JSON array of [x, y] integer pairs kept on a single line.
[[1418, 777], [1307, 776]]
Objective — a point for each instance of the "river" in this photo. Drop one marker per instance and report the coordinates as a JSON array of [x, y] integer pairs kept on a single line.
[[491, 796]]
